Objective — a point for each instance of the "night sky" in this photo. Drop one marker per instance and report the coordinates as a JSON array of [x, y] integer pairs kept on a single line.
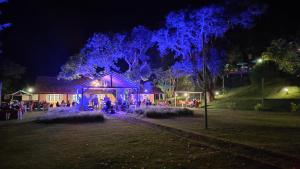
[[46, 32]]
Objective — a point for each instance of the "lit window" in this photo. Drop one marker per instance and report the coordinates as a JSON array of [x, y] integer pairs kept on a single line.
[[76, 98], [54, 97]]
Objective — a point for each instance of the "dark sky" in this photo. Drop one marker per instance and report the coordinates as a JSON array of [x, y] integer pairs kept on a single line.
[[46, 32]]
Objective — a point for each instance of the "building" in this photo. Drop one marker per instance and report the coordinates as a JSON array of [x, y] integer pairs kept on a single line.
[[85, 90]]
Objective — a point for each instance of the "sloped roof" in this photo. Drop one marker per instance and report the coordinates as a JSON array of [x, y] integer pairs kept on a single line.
[[111, 79], [20, 93], [46, 84]]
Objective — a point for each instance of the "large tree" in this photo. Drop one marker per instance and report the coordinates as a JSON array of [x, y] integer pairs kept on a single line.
[[10, 73], [135, 53], [286, 54], [102, 53], [190, 34]]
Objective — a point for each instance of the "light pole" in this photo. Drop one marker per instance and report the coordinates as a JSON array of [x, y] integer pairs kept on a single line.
[[259, 61], [262, 91], [205, 85]]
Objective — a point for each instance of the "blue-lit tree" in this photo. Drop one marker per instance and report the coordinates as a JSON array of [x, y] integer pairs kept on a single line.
[[99, 55], [189, 35], [102, 52], [135, 53]]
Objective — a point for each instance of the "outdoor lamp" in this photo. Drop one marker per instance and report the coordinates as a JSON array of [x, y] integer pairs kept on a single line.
[[217, 93], [260, 60], [186, 94], [286, 90], [30, 89]]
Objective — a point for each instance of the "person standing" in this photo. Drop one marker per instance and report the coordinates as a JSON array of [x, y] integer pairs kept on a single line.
[[20, 111]]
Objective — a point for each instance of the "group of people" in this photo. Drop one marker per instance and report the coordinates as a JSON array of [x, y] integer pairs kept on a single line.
[[63, 104], [147, 102]]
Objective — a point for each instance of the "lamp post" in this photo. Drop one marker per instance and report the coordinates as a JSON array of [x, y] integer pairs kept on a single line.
[[262, 91], [259, 61], [286, 90], [205, 85]]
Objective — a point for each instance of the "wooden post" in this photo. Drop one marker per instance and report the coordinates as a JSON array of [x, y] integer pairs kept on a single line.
[[175, 99], [223, 85]]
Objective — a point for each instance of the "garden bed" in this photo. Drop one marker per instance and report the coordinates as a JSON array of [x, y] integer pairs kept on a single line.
[[70, 115], [163, 112]]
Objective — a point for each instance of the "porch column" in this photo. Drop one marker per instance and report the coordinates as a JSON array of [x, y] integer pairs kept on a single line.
[[82, 106]]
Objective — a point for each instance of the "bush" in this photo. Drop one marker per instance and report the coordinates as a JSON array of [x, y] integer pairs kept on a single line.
[[231, 105], [74, 119], [294, 107], [185, 112], [70, 115], [164, 112], [258, 107]]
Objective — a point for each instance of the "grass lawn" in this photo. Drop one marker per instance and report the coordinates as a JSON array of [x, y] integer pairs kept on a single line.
[[278, 132], [245, 98], [110, 144]]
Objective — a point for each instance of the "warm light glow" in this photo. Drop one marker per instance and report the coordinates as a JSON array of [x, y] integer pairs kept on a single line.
[[217, 93], [260, 60], [95, 83], [286, 89], [30, 90], [186, 94]]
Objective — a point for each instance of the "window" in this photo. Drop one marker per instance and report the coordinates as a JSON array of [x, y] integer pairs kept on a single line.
[[76, 98], [54, 97]]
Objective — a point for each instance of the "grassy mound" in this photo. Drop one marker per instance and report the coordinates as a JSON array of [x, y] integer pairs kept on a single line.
[[164, 112], [247, 97], [70, 116]]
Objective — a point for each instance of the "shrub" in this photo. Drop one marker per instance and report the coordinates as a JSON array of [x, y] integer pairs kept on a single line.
[[70, 115], [163, 112], [231, 105], [294, 107], [185, 112], [74, 119], [258, 107]]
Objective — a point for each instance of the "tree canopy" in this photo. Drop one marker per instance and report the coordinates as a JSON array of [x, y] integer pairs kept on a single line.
[[286, 54], [187, 35]]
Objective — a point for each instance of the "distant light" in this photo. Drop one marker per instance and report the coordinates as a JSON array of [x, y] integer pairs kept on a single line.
[[286, 89], [95, 83], [30, 90], [217, 93], [260, 60], [186, 94], [145, 90]]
